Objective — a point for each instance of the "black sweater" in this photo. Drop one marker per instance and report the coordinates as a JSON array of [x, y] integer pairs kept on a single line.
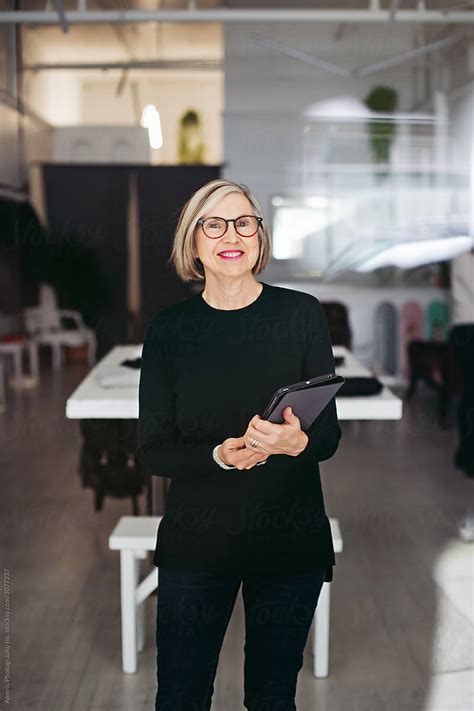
[[205, 373]]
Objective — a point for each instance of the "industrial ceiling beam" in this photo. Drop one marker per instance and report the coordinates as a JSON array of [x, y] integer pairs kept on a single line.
[[407, 56], [199, 64], [282, 48], [223, 15], [393, 61]]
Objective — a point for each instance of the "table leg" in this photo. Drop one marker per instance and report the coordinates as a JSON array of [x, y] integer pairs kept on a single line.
[[18, 364], [140, 607], [34, 362], [57, 356], [321, 633], [128, 585]]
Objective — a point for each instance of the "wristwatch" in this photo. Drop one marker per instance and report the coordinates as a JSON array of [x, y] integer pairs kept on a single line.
[[222, 464]]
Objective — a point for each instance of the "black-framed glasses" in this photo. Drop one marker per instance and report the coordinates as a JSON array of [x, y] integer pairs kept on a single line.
[[245, 225]]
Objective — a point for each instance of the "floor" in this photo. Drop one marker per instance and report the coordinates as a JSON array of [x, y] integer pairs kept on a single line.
[[401, 605]]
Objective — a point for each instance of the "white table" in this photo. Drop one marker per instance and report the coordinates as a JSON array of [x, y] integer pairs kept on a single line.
[[90, 400]]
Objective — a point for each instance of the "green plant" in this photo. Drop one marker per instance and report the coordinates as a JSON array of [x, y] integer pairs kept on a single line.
[[382, 99], [191, 148]]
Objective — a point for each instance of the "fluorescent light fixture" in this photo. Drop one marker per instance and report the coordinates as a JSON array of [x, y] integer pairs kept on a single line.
[[339, 107], [367, 254], [409, 255], [151, 120]]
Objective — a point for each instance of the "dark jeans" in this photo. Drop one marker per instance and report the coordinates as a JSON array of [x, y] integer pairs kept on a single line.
[[462, 339], [193, 612]]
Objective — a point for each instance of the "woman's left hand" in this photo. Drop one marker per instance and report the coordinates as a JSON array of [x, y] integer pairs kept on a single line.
[[287, 438]]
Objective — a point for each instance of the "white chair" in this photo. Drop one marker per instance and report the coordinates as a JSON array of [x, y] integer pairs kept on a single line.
[[133, 536], [44, 324], [11, 354]]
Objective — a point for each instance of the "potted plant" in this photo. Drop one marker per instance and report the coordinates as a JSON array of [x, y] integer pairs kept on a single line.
[[191, 148], [384, 100]]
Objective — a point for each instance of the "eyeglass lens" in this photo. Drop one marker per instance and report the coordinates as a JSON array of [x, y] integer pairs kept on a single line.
[[245, 226]]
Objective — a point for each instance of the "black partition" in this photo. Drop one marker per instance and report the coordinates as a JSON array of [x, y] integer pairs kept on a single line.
[[22, 250], [162, 192], [87, 206], [10, 269]]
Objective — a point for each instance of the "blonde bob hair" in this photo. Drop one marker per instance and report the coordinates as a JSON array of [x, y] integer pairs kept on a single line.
[[189, 267]]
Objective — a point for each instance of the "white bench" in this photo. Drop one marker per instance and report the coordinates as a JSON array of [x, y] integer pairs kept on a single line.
[[133, 536]]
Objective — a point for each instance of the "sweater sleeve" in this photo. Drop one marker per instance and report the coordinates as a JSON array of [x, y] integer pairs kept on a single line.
[[160, 444], [325, 432]]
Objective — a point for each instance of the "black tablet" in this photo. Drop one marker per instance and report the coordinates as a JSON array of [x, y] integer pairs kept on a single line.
[[307, 399]]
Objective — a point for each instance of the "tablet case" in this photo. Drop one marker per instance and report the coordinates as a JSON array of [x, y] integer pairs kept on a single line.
[[307, 399]]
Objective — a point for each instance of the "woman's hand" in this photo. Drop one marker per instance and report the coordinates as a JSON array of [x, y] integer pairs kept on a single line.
[[234, 453], [287, 438]]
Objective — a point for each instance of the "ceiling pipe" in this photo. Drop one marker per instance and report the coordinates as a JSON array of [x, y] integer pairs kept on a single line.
[[242, 15], [61, 16], [394, 9], [198, 64]]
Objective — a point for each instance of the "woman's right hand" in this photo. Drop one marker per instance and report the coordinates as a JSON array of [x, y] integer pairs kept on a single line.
[[234, 453]]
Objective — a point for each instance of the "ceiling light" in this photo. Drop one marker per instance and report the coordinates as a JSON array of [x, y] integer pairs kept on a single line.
[[151, 120]]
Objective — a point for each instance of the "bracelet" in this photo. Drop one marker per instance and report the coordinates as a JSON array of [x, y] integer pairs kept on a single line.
[[219, 460], [222, 464]]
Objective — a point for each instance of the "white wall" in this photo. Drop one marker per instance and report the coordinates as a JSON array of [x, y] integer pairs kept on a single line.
[[55, 96], [270, 146], [461, 109], [267, 92], [173, 93]]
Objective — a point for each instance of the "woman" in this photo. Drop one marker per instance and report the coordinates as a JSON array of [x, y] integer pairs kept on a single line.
[[245, 503]]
